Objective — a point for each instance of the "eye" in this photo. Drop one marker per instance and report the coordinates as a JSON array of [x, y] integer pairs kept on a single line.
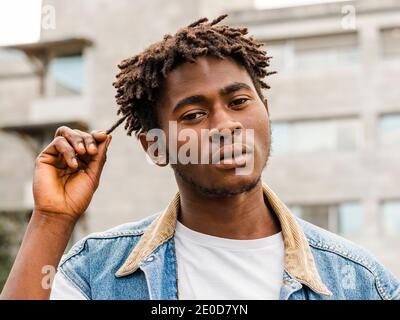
[[193, 116], [238, 102]]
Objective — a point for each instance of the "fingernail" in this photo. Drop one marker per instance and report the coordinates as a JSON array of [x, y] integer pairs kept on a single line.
[[74, 162], [81, 146], [92, 147]]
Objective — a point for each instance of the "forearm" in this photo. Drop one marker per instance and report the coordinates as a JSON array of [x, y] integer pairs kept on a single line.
[[42, 248]]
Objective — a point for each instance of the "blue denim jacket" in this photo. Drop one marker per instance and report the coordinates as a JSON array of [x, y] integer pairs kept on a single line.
[[137, 261]]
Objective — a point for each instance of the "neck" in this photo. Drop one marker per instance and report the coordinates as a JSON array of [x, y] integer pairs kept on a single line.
[[244, 216]]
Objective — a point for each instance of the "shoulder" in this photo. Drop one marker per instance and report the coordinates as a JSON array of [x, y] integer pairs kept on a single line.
[[352, 270], [90, 265], [128, 233]]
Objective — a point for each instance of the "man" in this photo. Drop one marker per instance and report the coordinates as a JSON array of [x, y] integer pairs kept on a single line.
[[225, 235]]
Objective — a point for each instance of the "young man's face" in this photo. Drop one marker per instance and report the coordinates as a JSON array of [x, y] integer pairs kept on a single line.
[[221, 96]]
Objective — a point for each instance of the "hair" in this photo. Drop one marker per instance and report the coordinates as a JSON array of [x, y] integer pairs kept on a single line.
[[140, 80]]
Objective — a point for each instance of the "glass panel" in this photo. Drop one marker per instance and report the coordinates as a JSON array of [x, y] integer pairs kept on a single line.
[[326, 57], [389, 129], [350, 218], [14, 61], [12, 55], [313, 136], [325, 51], [391, 217], [67, 74], [316, 214], [280, 138]]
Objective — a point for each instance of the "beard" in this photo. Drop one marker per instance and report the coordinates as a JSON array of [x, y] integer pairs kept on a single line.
[[216, 192]]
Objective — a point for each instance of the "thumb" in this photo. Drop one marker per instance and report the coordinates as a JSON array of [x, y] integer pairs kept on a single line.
[[96, 164]]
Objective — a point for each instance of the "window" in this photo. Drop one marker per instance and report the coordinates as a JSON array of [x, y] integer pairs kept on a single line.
[[319, 215], [325, 51], [344, 218], [390, 222], [389, 129], [319, 52], [66, 75], [350, 218], [315, 136], [390, 42], [13, 63], [8, 56], [280, 138]]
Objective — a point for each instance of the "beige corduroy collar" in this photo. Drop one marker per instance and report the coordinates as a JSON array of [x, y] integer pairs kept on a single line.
[[299, 262]]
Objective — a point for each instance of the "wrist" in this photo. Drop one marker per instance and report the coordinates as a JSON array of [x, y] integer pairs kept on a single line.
[[60, 220]]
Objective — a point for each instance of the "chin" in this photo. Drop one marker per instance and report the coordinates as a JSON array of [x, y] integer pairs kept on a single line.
[[237, 182], [230, 185], [217, 183]]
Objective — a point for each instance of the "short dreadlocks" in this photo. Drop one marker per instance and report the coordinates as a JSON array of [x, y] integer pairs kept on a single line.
[[141, 77]]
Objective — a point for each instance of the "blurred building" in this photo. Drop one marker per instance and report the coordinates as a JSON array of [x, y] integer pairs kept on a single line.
[[334, 106]]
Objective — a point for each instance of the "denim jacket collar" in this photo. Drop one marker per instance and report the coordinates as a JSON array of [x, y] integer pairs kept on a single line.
[[299, 262]]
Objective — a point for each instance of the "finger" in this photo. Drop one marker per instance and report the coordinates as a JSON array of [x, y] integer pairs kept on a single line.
[[82, 165], [62, 147], [73, 137], [51, 156], [99, 136], [67, 151], [89, 141], [95, 166]]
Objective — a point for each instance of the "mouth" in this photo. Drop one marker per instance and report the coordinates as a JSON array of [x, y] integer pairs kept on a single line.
[[231, 156]]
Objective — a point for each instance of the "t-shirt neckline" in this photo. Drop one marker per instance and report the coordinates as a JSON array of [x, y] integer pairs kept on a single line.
[[185, 233]]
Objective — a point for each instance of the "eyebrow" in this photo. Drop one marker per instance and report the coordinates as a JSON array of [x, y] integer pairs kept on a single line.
[[236, 86], [190, 100]]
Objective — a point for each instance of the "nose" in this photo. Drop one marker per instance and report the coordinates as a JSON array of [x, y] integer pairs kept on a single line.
[[224, 126]]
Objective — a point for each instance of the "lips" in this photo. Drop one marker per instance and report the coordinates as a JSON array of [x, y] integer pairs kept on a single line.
[[228, 154]]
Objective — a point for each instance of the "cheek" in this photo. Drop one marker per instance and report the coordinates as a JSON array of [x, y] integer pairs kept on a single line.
[[258, 120], [263, 121], [262, 133]]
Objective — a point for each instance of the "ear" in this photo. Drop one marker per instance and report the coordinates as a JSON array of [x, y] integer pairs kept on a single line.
[[159, 158]]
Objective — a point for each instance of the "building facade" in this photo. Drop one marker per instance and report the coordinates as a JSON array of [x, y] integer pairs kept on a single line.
[[334, 106]]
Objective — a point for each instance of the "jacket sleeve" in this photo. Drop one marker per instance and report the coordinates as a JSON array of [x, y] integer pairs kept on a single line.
[[75, 266]]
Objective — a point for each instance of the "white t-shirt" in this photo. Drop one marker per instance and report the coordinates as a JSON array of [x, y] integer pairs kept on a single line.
[[215, 268], [218, 268], [63, 289]]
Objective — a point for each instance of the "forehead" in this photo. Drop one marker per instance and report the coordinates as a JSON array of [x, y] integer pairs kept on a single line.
[[206, 76]]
